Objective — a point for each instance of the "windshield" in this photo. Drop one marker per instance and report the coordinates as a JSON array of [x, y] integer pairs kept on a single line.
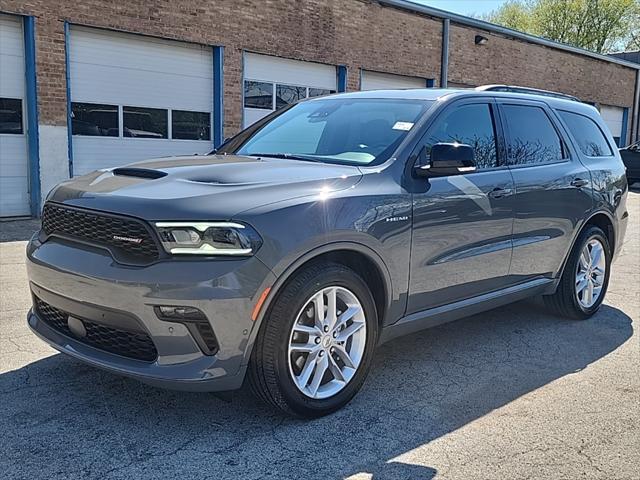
[[349, 131]]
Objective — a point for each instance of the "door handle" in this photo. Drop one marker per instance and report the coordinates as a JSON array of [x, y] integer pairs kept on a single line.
[[500, 192], [579, 182]]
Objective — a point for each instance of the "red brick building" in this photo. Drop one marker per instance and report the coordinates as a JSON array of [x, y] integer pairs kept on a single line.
[[92, 84]]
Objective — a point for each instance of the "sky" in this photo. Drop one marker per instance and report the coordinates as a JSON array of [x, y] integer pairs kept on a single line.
[[464, 7]]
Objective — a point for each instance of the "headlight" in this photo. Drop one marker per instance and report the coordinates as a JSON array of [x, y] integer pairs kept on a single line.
[[208, 238]]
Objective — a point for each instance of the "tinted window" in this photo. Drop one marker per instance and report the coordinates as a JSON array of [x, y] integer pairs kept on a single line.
[[319, 92], [286, 95], [471, 125], [11, 116], [190, 125], [532, 137], [258, 95], [142, 122], [94, 119], [587, 133], [361, 131]]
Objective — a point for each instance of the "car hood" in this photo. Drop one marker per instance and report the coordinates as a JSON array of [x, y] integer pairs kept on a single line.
[[213, 187]]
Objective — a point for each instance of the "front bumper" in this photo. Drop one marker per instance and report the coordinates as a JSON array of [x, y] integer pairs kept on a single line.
[[88, 279]]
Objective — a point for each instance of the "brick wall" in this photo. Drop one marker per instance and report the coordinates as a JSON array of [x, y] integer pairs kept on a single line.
[[356, 33], [516, 62]]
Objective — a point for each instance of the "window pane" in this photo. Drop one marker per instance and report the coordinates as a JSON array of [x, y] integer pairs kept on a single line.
[[471, 125], [94, 119], [140, 122], [532, 136], [258, 95], [286, 95], [586, 132], [340, 131], [190, 125], [11, 116], [319, 92]]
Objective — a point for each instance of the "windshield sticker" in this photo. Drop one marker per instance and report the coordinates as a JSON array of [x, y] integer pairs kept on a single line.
[[406, 126]]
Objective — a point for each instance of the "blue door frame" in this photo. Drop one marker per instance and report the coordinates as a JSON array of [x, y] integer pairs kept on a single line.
[[31, 98]]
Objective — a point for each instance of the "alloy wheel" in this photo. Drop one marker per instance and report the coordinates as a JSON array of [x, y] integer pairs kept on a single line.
[[327, 342], [590, 275]]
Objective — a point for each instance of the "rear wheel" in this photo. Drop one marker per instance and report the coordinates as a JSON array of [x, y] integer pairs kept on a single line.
[[586, 277], [314, 350]]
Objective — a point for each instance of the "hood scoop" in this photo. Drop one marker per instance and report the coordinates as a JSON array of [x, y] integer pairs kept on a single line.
[[139, 173]]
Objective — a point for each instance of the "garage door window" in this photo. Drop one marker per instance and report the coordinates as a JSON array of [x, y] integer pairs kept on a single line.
[[94, 119], [287, 94], [319, 92], [142, 122], [11, 116], [258, 95], [190, 125]]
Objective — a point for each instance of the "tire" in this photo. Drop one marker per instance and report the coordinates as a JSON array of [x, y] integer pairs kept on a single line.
[[567, 301], [275, 362]]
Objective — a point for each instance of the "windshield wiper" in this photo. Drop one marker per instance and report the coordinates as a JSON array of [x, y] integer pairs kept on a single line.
[[288, 156]]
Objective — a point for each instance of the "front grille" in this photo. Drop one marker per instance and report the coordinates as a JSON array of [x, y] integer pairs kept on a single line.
[[135, 345], [127, 239]]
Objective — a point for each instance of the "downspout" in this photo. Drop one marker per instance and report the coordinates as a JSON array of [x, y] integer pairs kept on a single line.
[[444, 63], [635, 112]]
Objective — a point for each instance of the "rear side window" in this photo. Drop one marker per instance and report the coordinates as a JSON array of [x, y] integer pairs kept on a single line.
[[532, 137], [588, 134]]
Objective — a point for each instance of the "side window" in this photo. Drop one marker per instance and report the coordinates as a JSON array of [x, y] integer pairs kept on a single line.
[[532, 137], [469, 124], [588, 134]]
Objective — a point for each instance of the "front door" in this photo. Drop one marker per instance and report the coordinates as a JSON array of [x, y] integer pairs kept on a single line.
[[462, 224]]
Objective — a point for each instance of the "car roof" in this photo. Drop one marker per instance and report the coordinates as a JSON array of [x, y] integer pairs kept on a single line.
[[442, 94]]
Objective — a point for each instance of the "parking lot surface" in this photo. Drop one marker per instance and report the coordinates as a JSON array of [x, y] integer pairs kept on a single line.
[[511, 393]]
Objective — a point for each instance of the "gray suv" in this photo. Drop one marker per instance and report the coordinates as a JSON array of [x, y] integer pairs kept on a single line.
[[323, 230]]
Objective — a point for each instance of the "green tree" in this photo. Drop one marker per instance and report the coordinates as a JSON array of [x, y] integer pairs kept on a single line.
[[598, 25]]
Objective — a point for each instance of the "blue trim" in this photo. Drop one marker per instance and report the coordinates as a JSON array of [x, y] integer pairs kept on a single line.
[[32, 113], [625, 125], [67, 69], [431, 82], [218, 96], [342, 78]]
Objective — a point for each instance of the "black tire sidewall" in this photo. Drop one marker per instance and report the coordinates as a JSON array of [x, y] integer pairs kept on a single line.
[[284, 313]]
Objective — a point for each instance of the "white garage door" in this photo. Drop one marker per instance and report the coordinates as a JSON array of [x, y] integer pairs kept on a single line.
[[136, 97], [14, 166], [612, 116], [272, 82], [387, 81]]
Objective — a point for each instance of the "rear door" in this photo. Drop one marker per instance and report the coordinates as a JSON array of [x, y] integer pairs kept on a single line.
[[552, 188], [461, 242]]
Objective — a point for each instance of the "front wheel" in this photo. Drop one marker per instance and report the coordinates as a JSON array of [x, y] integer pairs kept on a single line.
[[586, 277], [315, 348]]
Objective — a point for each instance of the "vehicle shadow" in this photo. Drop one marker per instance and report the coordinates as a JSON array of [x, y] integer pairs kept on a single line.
[[63, 419]]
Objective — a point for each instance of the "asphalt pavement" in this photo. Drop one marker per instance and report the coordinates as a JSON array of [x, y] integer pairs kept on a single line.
[[514, 393]]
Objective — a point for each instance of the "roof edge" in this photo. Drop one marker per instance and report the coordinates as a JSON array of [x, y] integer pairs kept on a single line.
[[481, 24]]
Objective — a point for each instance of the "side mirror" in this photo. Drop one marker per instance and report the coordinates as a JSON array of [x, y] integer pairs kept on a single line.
[[446, 159]]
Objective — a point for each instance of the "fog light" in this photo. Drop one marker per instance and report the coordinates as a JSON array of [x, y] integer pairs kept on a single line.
[[169, 312], [195, 321]]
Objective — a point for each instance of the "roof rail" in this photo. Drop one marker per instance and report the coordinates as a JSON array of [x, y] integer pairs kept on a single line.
[[529, 90]]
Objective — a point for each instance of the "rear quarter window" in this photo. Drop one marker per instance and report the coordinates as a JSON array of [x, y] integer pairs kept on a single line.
[[587, 134]]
